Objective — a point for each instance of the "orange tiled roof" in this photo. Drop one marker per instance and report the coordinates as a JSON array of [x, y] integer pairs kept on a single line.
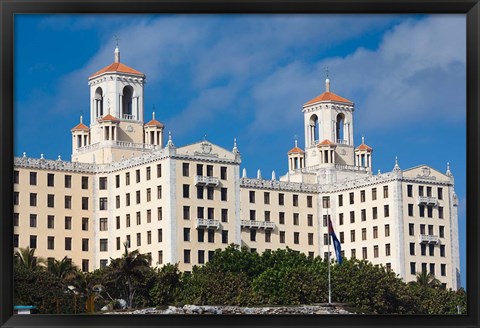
[[155, 123], [325, 142], [364, 147], [296, 150], [328, 96], [80, 126], [117, 67], [108, 117]]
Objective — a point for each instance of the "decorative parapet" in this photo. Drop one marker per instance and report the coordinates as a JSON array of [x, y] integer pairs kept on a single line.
[[207, 224], [47, 164], [278, 185], [427, 200], [257, 224], [115, 143], [428, 239]]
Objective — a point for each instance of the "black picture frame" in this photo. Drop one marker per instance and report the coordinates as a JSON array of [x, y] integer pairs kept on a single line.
[[9, 8]]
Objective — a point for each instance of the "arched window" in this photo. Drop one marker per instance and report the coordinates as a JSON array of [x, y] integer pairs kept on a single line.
[[127, 102], [314, 129], [340, 127], [99, 102]]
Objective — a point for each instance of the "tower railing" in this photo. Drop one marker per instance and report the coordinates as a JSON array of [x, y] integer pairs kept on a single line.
[[128, 117]]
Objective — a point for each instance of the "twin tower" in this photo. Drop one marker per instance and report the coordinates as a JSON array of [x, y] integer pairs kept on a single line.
[[117, 129]]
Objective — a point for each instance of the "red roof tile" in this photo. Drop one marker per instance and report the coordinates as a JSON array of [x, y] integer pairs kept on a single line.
[[295, 150], [155, 123], [80, 126], [326, 142], [117, 67], [364, 147], [108, 117], [328, 96]]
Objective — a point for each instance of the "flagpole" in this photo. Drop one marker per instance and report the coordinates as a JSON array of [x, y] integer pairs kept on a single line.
[[329, 281]]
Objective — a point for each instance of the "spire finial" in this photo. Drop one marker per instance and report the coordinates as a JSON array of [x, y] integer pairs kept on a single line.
[[396, 167], [117, 51], [235, 149], [153, 114], [296, 141], [449, 173], [327, 80], [363, 139], [170, 142]]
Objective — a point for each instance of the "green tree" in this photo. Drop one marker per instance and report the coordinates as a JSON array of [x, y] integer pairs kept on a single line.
[[167, 285], [26, 258], [127, 271], [64, 269], [425, 279]]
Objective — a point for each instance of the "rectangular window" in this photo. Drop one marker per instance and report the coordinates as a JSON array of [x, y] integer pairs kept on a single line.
[[268, 236], [374, 193], [340, 200], [84, 244], [16, 219], [420, 190], [413, 269], [351, 197], [364, 233], [443, 270], [429, 211], [310, 238], [139, 239], [432, 268], [296, 219], [103, 224], [50, 179], [201, 257], [33, 178], [209, 170], [375, 232], [374, 213], [431, 250], [352, 236], [281, 217], [148, 173], [387, 230], [51, 222], [199, 192], [310, 220], [16, 198], [200, 212], [252, 215], [127, 199], [422, 229], [128, 242], [33, 241], [223, 194], [440, 193], [118, 222], [211, 235], [325, 220], [186, 191], [412, 248], [352, 217], [309, 201], [199, 169], [409, 191], [267, 216], [440, 212], [117, 181], [159, 192], [33, 199], [387, 249], [429, 191], [281, 199], [84, 182], [139, 218], [385, 191], [84, 203], [224, 215], [441, 231], [102, 183], [149, 194], [364, 253], [127, 220], [68, 202], [33, 220], [186, 256], [430, 229], [362, 196], [50, 200], [201, 235], [375, 251], [364, 215], [117, 201], [186, 234], [137, 175], [386, 212], [149, 216], [210, 193], [68, 243], [223, 172], [103, 203], [210, 213], [410, 209], [159, 170], [85, 265], [340, 219], [84, 224], [326, 202], [411, 229], [266, 198], [68, 181], [68, 223], [282, 237], [160, 235], [326, 240], [103, 245], [50, 242], [251, 196], [160, 257], [424, 267], [225, 237], [342, 237], [353, 253], [296, 237], [137, 193], [127, 178], [16, 177]]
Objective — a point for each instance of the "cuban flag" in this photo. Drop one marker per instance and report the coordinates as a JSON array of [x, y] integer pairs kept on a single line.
[[336, 242]]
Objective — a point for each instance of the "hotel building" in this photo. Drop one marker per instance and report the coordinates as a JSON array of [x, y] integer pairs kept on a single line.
[[124, 183]]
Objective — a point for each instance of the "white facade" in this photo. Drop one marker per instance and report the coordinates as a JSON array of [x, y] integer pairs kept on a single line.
[[179, 204]]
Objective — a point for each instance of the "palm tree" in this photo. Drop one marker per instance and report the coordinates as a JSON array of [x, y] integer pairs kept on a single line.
[[126, 269], [63, 269], [425, 279], [26, 258]]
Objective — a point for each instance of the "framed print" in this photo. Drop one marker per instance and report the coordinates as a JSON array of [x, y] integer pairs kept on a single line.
[[239, 163]]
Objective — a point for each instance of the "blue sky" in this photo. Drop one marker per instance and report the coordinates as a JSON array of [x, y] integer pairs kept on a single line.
[[247, 76]]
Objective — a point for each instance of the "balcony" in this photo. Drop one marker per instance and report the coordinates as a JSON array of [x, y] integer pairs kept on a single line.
[[427, 200], [257, 224], [128, 117], [429, 239], [207, 224], [206, 181]]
